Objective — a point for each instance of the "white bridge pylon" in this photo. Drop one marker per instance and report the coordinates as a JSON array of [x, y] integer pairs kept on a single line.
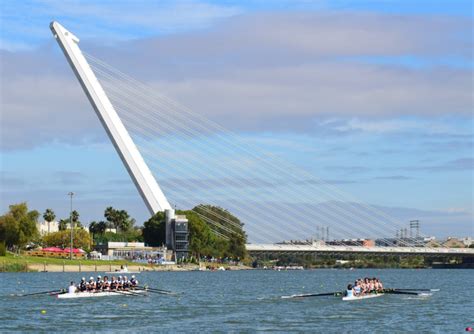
[[141, 175]]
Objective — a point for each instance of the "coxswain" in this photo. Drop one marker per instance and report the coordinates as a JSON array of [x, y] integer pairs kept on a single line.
[[350, 291], [133, 282], [72, 288], [83, 285]]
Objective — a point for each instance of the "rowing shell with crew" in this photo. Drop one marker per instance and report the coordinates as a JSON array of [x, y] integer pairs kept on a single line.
[[366, 288], [115, 286], [104, 293]]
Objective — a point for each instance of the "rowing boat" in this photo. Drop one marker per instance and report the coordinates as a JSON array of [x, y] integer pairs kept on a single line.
[[374, 295], [98, 294]]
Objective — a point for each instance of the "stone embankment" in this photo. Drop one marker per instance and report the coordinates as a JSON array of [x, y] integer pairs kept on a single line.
[[45, 267]]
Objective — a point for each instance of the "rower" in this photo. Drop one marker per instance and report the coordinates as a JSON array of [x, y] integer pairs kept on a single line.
[[83, 285], [133, 282], [126, 283], [91, 284], [113, 283], [119, 283], [98, 283], [357, 289], [72, 288], [350, 291], [371, 285], [106, 283], [379, 285]]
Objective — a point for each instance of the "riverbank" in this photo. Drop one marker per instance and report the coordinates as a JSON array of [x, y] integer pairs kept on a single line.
[[24, 263]]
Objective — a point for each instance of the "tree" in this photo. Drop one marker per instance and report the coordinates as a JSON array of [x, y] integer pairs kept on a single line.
[[119, 219], [49, 216], [18, 225], [225, 223], [62, 239], [230, 237], [201, 238], [154, 230], [97, 228], [63, 223], [75, 219], [236, 248]]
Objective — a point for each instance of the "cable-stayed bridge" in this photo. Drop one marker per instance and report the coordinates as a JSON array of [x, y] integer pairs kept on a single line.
[[198, 162]]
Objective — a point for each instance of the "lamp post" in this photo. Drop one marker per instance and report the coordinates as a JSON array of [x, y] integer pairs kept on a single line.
[[71, 225]]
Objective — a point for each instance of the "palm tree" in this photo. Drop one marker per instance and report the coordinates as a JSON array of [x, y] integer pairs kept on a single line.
[[75, 219], [49, 216], [101, 227], [93, 228], [63, 224]]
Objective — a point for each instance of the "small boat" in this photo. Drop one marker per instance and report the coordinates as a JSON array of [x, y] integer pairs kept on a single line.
[[99, 294], [373, 295], [121, 271]]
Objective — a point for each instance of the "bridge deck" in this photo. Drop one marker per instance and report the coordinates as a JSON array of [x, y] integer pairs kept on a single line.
[[281, 248]]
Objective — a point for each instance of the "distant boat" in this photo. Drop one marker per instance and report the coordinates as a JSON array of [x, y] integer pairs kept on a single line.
[[122, 270]]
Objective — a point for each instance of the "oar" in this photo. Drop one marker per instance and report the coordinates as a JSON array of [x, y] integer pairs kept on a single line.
[[429, 290], [337, 293], [128, 293], [159, 291], [37, 293], [62, 292], [397, 292]]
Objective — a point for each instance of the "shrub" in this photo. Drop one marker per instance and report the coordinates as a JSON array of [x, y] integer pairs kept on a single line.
[[3, 248]]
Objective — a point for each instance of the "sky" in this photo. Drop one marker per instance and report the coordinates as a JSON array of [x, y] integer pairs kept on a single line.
[[374, 96]]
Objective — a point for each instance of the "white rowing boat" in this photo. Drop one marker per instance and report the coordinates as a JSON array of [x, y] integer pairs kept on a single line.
[[374, 295], [98, 294]]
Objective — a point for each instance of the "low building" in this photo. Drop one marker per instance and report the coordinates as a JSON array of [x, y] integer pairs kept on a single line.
[[134, 251]]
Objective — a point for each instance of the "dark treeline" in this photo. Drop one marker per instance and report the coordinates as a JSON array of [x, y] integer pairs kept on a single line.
[[202, 240]]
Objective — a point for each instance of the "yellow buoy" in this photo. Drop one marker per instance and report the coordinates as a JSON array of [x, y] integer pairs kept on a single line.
[[43, 311], [124, 305]]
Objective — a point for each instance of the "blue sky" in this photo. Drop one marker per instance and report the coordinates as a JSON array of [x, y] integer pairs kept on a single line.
[[374, 96]]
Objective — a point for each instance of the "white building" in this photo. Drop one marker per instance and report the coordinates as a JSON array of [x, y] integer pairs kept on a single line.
[[45, 227]]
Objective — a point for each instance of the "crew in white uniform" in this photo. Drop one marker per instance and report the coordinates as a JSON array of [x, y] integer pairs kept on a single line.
[[72, 288]]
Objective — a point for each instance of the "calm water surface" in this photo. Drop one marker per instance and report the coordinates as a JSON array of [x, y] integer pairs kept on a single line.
[[244, 301]]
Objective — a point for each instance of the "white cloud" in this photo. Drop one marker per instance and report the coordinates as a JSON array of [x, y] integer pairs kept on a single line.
[[265, 72]]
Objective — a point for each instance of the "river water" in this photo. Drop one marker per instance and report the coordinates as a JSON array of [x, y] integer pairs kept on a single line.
[[244, 301]]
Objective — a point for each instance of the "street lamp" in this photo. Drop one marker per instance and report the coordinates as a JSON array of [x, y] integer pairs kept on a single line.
[[70, 224]]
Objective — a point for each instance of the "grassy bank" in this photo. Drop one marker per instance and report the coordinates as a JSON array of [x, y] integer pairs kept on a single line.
[[15, 263]]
